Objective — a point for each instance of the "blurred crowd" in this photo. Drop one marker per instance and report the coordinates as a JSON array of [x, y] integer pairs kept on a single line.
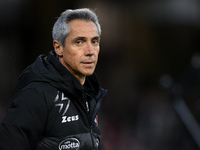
[[142, 42]]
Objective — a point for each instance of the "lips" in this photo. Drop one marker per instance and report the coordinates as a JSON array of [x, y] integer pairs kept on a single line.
[[88, 62]]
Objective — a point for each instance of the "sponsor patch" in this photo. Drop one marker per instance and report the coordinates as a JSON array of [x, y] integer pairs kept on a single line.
[[69, 144]]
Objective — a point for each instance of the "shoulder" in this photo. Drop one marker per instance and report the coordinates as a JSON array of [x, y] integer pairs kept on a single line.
[[36, 92]]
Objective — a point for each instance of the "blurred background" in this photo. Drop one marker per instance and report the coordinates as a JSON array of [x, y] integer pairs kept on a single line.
[[149, 62]]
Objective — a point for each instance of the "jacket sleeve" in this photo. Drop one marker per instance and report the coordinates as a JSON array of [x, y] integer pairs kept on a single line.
[[24, 122]]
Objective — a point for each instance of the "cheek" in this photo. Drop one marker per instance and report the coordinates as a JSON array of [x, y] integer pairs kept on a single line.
[[96, 50], [68, 59], [73, 60], [97, 54]]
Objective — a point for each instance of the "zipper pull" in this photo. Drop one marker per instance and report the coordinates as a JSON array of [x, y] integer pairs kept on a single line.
[[87, 106]]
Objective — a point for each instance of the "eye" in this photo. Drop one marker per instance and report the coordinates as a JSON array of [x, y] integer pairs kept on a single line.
[[95, 41], [79, 42]]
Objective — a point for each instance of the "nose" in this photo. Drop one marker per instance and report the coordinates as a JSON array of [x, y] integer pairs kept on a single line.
[[89, 49]]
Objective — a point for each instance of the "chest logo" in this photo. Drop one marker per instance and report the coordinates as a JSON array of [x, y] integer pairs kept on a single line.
[[69, 144], [69, 119], [63, 103], [60, 101]]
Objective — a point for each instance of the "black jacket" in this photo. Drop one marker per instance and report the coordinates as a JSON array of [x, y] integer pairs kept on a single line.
[[51, 110]]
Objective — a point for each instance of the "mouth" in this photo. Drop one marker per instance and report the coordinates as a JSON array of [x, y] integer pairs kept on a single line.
[[88, 63]]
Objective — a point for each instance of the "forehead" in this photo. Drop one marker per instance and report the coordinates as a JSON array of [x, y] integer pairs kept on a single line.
[[82, 28]]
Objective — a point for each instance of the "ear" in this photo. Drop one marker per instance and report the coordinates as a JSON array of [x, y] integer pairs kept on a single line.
[[58, 48]]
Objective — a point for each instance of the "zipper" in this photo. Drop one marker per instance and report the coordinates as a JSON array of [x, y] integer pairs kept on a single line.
[[90, 124], [91, 118], [86, 102], [91, 135], [92, 113]]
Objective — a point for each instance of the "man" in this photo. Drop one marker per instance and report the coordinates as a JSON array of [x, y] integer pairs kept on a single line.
[[58, 97]]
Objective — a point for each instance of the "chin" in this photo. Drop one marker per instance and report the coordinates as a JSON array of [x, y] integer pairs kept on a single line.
[[89, 74]]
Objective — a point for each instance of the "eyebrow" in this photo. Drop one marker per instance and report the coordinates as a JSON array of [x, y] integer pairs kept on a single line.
[[84, 38], [80, 38], [96, 37]]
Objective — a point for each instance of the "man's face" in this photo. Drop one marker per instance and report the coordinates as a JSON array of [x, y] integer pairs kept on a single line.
[[81, 50]]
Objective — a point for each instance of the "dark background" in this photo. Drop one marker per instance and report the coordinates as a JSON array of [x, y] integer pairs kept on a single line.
[[149, 58]]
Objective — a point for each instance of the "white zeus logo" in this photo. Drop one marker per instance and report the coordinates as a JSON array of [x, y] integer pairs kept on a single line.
[[70, 118], [69, 144]]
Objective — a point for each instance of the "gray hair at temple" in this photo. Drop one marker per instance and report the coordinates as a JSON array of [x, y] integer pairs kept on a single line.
[[61, 30]]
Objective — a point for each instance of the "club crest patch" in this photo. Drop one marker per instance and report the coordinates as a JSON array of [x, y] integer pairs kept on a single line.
[[96, 120]]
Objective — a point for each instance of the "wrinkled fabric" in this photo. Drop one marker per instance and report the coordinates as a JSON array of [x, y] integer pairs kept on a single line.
[[51, 110]]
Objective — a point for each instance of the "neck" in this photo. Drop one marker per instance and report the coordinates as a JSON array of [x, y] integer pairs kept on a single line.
[[81, 79]]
